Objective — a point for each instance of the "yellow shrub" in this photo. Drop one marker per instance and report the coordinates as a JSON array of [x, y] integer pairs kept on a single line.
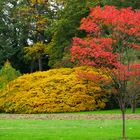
[[56, 90]]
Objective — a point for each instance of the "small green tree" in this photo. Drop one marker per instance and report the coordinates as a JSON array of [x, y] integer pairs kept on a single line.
[[7, 74], [35, 52]]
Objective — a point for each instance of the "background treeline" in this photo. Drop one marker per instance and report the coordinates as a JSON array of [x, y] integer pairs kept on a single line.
[[37, 34]]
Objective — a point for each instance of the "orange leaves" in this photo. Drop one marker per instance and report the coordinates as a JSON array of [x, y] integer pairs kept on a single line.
[[94, 76]]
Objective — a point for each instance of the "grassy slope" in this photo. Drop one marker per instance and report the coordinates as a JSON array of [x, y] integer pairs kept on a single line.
[[67, 130]]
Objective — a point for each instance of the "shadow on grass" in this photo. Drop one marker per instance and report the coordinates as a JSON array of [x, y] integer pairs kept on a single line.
[[127, 138]]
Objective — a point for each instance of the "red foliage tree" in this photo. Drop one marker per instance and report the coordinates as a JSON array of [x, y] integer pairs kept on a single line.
[[112, 39]]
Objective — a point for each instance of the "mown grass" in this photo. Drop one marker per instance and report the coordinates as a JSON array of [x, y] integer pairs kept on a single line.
[[67, 129], [113, 111], [70, 129]]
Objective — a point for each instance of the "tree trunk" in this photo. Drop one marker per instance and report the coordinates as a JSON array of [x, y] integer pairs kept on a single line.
[[31, 68], [40, 64], [123, 123], [133, 106], [123, 109]]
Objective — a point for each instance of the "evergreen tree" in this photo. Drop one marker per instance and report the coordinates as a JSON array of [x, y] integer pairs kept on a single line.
[[7, 74]]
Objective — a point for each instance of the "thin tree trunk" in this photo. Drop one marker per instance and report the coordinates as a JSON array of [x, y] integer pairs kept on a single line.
[[32, 65], [123, 123], [123, 108], [133, 106], [40, 64]]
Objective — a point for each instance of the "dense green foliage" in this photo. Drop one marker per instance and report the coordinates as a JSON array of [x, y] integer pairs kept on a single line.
[[13, 35], [135, 4], [64, 29], [58, 90]]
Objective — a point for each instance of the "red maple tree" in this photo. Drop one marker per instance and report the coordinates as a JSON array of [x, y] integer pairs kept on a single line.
[[112, 40]]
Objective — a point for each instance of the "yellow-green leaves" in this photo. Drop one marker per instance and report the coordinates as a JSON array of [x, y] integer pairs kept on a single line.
[[7, 74], [35, 51], [56, 90]]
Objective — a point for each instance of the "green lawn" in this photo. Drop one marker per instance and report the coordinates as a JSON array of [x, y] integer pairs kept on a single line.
[[113, 111], [67, 129]]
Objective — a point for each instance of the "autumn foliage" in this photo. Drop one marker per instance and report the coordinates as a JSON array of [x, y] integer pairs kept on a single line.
[[57, 90], [110, 32], [112, 43]]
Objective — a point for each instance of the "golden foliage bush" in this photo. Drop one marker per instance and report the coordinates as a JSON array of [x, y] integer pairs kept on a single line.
[[56, 90]]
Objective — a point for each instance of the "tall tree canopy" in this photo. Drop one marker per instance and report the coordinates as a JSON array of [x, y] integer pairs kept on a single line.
[[53, 22], [23, 23], [111, 43], [65, 28]]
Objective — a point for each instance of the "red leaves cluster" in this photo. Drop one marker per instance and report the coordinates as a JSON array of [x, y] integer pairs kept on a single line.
[[124, 20], [97, 48], [108, 27], [124, 72], [94, 52]]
